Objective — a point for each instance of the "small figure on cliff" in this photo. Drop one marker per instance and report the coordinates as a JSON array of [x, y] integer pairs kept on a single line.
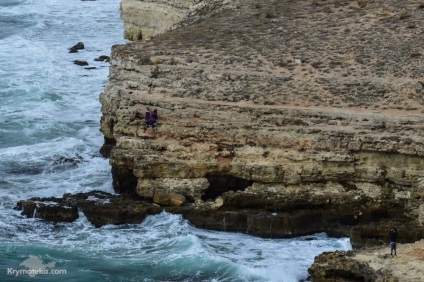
[[151, 118], [393, 239]]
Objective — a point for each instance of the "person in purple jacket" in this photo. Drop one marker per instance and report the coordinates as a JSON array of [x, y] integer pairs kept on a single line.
[[151, 118]]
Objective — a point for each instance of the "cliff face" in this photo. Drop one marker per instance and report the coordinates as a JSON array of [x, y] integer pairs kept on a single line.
[[374, 264], [145, 19], [280, 118]]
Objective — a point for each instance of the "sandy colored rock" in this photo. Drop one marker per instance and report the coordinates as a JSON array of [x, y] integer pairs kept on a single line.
[[374, 264], [146, 19], [166, 198], [192, 188], [300, 116]]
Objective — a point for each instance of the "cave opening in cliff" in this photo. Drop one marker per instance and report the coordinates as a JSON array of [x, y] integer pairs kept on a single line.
[[221, 183], [124, 181]]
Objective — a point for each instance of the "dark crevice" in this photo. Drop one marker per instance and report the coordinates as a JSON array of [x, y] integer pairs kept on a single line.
[[221, 183], [107, 147], [124, 181]]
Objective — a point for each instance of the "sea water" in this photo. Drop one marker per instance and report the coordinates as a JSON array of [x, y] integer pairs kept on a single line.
[[49, 110]]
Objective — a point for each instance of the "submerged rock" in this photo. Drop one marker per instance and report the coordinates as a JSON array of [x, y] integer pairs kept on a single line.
[[66, 160]]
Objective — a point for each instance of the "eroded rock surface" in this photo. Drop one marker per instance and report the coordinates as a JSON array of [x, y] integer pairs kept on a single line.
[[373, 264], [278, 118], [99, 207], [144, 19]]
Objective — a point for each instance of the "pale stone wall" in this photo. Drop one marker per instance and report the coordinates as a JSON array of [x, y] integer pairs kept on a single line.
[[144, 19]]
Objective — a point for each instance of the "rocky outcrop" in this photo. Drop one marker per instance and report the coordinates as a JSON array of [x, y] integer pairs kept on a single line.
[[146, 19], [280, 118], [76, 47], [100, 208], [374, 264]]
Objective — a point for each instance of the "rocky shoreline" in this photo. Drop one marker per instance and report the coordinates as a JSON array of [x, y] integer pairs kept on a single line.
[[371, 264], [100, 208], [277, 119]]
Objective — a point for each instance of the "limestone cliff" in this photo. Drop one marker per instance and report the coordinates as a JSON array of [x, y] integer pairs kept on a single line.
[[144, 19], [280, 118]]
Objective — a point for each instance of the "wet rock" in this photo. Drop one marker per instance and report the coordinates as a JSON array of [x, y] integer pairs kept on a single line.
[[66, 160], [76, 47], [80, 63], [99, 207], [102, 58], [48, 208], [27, 207], [55, 212]]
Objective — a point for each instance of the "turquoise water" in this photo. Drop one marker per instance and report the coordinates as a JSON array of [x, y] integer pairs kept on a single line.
[[49, 109]]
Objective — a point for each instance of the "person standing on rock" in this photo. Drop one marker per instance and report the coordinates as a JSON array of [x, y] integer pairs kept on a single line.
[[393, 239]]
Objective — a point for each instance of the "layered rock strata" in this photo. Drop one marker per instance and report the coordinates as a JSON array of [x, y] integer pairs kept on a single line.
[[280, 118], [145, 19]]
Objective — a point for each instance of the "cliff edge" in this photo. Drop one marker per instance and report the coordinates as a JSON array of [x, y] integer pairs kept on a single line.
[[146, 19], [278, 118]]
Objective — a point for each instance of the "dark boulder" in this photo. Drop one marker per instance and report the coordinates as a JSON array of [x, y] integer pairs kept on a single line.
[[99, 207], [27, 207], [76, 47], [68, 161], [50, 209], [55, 212], [103, 58], [80, 63]]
